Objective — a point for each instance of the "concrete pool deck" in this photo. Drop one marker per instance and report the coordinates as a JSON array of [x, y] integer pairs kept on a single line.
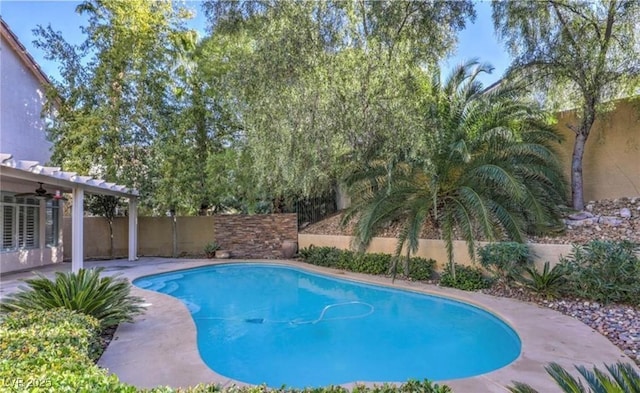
[[159, 347]]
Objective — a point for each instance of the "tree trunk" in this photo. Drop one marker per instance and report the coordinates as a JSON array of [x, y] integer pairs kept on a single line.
[[174, 236], [577, 186], [110, 221], [582, 134]]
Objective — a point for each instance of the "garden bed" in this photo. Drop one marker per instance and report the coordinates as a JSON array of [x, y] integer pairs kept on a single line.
[[619, 323], [628, 228]]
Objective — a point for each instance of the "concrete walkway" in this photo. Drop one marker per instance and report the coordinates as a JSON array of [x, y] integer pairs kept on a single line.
[[159, 347]]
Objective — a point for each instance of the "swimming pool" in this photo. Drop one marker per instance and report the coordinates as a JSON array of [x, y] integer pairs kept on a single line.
[[279, 325]]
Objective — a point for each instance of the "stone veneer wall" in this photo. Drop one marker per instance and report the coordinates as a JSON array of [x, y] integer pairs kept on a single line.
[[258, 236]]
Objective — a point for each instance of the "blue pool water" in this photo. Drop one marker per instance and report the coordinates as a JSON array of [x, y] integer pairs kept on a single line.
[[278, 325]]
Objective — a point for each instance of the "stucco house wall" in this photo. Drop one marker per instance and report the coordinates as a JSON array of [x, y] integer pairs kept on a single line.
[[41, 255], [22, 134], [22, 130]]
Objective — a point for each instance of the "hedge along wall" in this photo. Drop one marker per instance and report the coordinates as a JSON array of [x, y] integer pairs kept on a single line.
[[434, 249], [256, 236]]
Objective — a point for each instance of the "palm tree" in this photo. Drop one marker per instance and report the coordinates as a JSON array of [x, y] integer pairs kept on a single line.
[[482, 166], [625, 380]]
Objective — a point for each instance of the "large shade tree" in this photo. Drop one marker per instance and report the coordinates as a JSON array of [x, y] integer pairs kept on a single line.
[[281, 98], [583, 54], [483, 166], [190, 175], [114, 96], [320, 84]]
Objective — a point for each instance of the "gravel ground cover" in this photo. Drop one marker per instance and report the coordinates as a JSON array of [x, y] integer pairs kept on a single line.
[[619, 323]]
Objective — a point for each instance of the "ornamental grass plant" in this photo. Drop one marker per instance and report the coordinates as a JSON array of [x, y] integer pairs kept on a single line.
[[106, 298]]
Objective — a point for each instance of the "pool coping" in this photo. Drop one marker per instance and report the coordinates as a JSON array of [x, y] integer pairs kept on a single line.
[[139, 350]]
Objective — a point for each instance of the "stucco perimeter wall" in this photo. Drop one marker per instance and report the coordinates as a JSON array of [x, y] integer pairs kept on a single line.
[[155, 236], [256, 236], [433, 249], [96, 237], [611, 165]]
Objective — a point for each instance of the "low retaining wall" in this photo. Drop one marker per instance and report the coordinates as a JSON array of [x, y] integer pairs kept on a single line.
[[433, 249]]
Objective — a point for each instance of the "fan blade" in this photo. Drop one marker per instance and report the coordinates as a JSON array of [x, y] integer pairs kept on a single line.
[[40, 192]]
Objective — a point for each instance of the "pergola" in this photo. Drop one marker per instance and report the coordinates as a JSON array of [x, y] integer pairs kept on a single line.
[[21, 171]]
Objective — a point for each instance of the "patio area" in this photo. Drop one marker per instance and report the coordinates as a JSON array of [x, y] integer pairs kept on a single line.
[[159, 348]]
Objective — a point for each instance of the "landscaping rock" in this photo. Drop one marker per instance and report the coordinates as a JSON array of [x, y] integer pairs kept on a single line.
[[619, 323], [609, 220], [580, 216], [580, 222], [625, 212]]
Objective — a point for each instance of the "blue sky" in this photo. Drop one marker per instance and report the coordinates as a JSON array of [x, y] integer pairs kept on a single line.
[[478, 40]]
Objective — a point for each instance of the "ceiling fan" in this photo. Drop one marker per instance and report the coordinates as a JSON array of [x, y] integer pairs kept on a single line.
[[41, 193]]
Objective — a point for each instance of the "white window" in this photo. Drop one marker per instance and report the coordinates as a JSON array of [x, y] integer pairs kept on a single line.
[[8, 227], [19, 223], [52, 228]]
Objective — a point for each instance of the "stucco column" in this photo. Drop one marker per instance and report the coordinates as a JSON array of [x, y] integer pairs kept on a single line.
[[133, 229], [77, 230]]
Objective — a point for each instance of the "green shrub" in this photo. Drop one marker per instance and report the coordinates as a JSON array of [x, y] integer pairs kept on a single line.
[[56, 323], [467, 277], [367, 263], [605, 271], [549, 282], [210, 249], [106, 299], [375, 263], [411, 386], [421, 269], [505, 260], [53, 351], [321, 256], [625, 380]]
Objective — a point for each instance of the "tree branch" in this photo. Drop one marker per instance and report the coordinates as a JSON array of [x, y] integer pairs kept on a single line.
[[569, 36], [399, 30], [569, 7], [573, 128]]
